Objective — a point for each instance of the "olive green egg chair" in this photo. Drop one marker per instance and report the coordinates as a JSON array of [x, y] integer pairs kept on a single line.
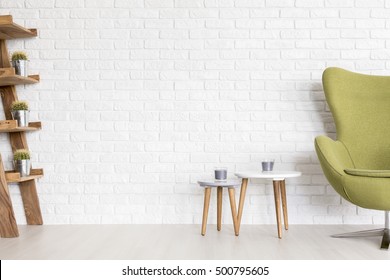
[[357, 164]]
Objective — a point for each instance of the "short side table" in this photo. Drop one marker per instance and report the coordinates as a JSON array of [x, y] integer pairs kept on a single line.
[[230, 185], [278, 178]]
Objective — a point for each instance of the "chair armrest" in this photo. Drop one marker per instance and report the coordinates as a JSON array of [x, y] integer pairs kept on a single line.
[[334, 158], [333, 154], [368, 173]]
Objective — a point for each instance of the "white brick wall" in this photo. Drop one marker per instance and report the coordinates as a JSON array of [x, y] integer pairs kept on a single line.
[[139, 99]]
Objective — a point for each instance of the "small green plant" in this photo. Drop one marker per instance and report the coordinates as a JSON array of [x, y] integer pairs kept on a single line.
[[19, 56], [19, 106], [21, 154]]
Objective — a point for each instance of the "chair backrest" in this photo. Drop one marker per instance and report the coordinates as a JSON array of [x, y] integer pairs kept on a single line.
[[360, 105]]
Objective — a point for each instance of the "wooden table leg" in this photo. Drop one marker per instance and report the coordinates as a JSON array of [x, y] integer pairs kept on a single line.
[[234, 211], [207, 192], [244, 184], [284, 203], [277, 206], [219, 208]]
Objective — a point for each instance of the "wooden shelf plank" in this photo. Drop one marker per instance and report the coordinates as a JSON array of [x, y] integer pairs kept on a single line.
[[14, 177], [12, 80], [12, 126], [11, 30]]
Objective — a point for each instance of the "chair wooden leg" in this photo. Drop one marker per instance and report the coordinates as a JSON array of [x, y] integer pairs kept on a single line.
[[244, 185], [234, 211], [207, 193], [277, 206], [219, 208], [284, 203]]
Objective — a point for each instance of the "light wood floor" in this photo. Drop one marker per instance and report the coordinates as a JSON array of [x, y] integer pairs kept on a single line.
[[185, 242]]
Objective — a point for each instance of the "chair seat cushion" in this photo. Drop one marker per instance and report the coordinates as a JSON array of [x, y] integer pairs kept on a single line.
[[368, 173]]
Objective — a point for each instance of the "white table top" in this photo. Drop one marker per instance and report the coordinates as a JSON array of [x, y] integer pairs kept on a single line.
[[274, 175], [213, 183]]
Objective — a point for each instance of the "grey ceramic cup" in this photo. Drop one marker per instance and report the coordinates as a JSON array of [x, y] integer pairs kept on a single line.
[[220, 173], [267, 164]]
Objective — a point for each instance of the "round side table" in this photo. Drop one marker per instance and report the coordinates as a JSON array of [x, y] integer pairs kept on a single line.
[[230, 185], [279, 184]]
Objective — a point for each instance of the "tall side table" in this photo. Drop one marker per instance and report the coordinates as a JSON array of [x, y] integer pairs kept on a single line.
[[279, 184]]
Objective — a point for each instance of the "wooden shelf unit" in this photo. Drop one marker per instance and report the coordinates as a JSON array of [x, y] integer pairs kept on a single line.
[[17, 135]]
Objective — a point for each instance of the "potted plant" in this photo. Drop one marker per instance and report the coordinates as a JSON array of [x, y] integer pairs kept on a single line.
[[19, 62], [22, 162], [20, 112]]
